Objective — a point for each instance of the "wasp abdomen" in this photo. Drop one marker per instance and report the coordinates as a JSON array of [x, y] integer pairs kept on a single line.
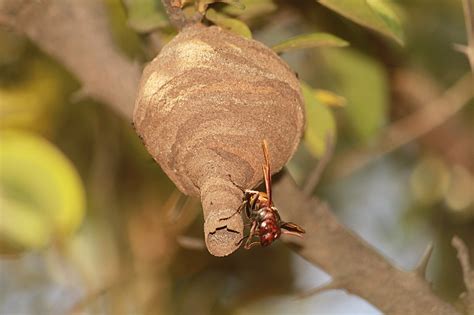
[[268, 226]]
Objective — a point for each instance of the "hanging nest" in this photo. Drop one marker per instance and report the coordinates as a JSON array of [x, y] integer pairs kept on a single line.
[[204, 106]]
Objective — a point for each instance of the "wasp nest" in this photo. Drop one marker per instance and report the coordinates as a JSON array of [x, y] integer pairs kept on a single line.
[[204, 106]]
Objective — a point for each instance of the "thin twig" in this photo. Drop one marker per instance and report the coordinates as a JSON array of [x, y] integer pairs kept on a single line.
[[463, 256], [412, 127], [191, 243], [175, 13], [469, 21], [467, 298], [315, 176]]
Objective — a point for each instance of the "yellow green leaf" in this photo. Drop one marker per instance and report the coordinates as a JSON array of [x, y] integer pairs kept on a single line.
[[41, 189], [329, 98], [226, 22], [374, 14], [310, 41], [320, 123]]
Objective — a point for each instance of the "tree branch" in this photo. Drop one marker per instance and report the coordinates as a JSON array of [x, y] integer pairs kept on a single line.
[[467, 298], [75, 32], [339, 252]]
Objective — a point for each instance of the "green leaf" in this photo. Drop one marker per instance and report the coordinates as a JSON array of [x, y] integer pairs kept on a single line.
[[310, 41], [41, 189], [204, 4], [253, 8], [231, 24], [145, 16], [374, 14], [363, 82], [320, 123]]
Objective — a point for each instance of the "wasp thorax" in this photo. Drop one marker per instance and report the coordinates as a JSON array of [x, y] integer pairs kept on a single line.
[[204, 106]]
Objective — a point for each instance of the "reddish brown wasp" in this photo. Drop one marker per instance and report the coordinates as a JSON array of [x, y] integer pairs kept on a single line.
[[265, 221]]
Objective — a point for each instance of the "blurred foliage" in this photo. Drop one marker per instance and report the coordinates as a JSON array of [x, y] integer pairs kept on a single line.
[[321, 127], [145, 15], [31, 93], [123, 26], [87, 215], [366, 112], [41, 192]]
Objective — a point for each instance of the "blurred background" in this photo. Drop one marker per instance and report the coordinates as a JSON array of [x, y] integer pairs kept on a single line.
[[89, 224]]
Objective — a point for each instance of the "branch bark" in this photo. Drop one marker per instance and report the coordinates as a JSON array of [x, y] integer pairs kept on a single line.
[[75, 33], [344, 255]]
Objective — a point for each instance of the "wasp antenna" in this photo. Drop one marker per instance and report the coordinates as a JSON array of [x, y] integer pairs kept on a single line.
[[265, 152], [235, 184]]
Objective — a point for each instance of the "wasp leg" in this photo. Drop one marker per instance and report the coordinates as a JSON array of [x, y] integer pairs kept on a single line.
[[243, 238], [249, 244], [240, 242], [249, 236]]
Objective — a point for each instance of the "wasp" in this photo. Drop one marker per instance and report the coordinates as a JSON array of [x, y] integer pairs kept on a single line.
[[265, 221]]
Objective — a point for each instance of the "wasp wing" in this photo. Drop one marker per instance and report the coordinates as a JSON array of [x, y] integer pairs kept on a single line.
[[292, 227], [267, 175]]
